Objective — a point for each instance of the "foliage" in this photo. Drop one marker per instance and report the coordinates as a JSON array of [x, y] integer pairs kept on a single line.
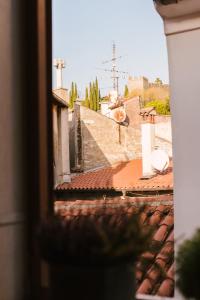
[[126, 92], [158, 81], [73, 95], [161, 107], [103, 239], [188, 267], [92, 96]]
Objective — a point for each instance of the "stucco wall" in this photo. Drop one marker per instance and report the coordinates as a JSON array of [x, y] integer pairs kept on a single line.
[[163, 132], [185, 90]]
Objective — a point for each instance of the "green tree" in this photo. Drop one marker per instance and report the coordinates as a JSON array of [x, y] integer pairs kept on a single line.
[[73, 95], [97, 94], [75, 92], [162, 107], [87, 103], [126, 92], [158, 81], [92, 96]]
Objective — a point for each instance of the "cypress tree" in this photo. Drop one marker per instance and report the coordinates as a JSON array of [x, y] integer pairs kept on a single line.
[[87, 104], [99, 97], [91, 97], [97, 94], [94, 96], [126, 92], [73, 95], [75, 92]]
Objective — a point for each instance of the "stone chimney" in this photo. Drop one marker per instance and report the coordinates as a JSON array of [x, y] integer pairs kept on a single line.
[[147, 140], [59, 64]]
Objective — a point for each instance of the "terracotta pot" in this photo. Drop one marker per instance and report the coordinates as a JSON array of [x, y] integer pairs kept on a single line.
[[109, 283]]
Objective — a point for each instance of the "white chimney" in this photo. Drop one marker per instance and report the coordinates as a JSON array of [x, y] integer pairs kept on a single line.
[[148, 144], [59, 64]]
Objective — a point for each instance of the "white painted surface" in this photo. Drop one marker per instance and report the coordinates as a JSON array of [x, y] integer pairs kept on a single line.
[[105, 109], [163, 130], [148, 143], [184, 69]]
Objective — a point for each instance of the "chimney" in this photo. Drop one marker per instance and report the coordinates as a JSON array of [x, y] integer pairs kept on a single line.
[[148, 141], [59, 64]]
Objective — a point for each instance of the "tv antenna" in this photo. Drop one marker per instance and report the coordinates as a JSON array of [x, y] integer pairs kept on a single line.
[[115, 72]]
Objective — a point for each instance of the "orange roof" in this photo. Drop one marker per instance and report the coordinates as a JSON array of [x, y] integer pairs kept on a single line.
[[155, 268], [121, 176]]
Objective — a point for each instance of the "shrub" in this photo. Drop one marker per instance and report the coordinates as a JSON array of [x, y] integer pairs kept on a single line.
[[162, 107], [188, 267], [88, 240]]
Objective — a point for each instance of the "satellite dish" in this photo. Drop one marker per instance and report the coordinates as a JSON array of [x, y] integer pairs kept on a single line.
[[159, 160], [119, 115]]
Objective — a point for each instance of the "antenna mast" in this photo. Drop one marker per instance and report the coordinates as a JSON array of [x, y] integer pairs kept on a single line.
[[114, 71], [114, 76]]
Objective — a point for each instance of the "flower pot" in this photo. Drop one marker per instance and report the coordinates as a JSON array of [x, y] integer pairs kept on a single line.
[[102, 283]]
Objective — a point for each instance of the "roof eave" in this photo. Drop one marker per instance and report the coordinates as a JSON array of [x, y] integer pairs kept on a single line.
[[59, 101]]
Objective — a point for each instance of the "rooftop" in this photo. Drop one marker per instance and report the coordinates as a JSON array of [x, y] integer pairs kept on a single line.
[[154, 275], [121, 176]]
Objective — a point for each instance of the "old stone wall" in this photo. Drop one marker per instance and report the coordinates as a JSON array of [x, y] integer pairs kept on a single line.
[[104, 142], [97, 141]]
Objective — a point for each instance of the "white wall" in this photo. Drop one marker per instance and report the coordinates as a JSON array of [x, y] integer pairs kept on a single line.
[[163, 134], [182, 28], [184, 60]]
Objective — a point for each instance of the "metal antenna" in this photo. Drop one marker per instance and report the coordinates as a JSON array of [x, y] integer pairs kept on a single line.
[[113, 70]]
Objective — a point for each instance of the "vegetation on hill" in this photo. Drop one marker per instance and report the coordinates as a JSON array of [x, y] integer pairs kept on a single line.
[[157, 96], [162, 107]]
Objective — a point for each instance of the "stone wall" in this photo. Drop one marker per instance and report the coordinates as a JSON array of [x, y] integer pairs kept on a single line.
[[97, 141], [105, 142]]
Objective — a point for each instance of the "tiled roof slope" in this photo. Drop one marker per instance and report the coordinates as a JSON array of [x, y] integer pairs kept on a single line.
[[155, 269], [121, 176]]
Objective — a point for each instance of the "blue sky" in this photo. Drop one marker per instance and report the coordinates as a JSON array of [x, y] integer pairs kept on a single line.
[[83, 33]]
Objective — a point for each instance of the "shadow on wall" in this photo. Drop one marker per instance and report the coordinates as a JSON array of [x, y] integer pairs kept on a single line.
[[97, 141], [102, 149]]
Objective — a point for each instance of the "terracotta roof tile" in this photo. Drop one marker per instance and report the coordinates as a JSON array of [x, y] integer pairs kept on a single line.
[[145, 287], [155, 268], [166, 288], [124, 175]]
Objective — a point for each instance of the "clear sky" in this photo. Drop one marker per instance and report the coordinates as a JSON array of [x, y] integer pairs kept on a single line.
[[83, 33]]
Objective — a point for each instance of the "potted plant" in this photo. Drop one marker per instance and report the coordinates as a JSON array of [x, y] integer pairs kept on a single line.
[[188, 267], [92, 256]]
